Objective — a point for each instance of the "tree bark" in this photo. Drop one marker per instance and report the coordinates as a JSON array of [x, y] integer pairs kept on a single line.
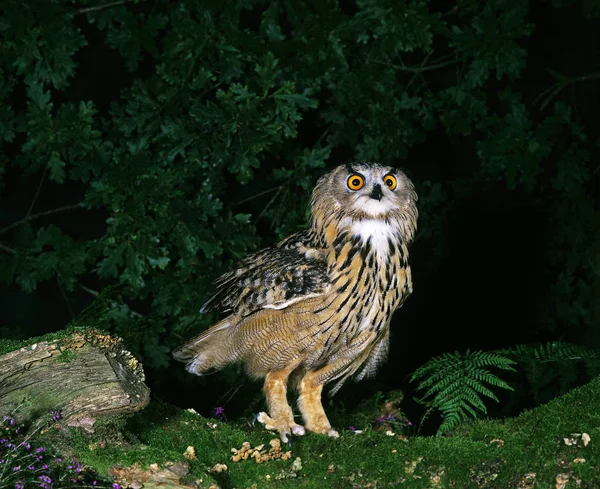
[[84, 375]]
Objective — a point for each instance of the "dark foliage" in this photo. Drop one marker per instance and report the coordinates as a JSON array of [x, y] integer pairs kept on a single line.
[[147, 144]]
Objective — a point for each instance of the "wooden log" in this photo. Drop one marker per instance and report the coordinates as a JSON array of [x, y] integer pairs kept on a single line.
[[85, 375]]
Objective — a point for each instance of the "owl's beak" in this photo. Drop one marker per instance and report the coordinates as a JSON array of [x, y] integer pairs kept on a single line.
[[376, 193]]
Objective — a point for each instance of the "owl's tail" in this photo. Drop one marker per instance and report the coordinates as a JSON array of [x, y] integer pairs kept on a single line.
[[209, 351]]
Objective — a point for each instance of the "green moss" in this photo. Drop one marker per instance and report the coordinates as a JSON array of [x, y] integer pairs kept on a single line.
[[7, 346], [484, 454], [67, 356]]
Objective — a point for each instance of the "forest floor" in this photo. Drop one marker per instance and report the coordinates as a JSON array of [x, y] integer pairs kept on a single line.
[[556, 445]]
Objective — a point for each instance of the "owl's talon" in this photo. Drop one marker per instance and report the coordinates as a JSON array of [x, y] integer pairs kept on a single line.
[[285, 429], [264, 419], [298, 430], [333, 433]]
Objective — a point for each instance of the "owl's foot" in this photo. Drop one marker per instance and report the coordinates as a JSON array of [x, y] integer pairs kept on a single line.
[[284, 427], [326, 431], [311, 407], [332, 433], [320, 424]]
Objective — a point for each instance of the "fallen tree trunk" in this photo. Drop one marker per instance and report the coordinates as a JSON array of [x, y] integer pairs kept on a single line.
[[84, 375]]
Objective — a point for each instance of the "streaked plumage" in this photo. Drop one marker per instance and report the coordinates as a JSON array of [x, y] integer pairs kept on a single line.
[[317, 306]]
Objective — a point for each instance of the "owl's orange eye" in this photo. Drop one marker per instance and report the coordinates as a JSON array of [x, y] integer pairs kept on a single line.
[[356, 182], [390, 181]]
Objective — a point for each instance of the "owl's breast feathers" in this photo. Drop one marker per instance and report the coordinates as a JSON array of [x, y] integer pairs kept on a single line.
[[371, 278]]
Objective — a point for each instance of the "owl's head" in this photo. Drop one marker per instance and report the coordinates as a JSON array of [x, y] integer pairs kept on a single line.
[[366, 191]]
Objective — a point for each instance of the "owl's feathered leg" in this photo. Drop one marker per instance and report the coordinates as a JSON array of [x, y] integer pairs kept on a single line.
[[310, 405], [280, 417]]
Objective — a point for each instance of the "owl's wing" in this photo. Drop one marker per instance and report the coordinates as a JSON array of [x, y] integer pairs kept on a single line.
[[272, 278]]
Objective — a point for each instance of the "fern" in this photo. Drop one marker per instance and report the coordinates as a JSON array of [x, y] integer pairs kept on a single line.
[[557, 351], [456, 382], [553, 365]]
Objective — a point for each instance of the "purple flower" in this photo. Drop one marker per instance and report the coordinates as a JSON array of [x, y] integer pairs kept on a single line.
[[116, 486], [40, 450], [44, 467], [219, 412], [380, 419], [16, 469], [409, 423], [352, 428], [55, 415], [389, 417]]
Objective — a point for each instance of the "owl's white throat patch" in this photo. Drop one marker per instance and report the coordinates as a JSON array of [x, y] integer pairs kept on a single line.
[[373, 207], [377, 231]]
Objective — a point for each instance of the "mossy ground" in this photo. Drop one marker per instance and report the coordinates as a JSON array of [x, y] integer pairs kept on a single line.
[[529, 451], [497, 454]]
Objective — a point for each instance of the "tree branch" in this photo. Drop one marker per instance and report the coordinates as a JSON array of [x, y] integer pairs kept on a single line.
[[269, 203], [85, 10], [562, 82], [31, 217], [7, 249], [64, 295], [95, 293], [418, 69], [259, 194], [37, 193]]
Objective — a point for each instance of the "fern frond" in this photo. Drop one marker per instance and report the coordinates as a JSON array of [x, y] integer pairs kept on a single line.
[[554, 367], [435, 369], [555, 351], [455, 383], [464, 397]]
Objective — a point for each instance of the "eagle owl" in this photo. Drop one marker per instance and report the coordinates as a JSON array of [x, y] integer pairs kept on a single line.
[[316, 307]]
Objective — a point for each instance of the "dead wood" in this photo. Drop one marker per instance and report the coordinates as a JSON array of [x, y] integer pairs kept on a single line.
[[85, 375]]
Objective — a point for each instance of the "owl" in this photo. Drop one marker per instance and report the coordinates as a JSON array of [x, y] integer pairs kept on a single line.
[[316, 307]]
